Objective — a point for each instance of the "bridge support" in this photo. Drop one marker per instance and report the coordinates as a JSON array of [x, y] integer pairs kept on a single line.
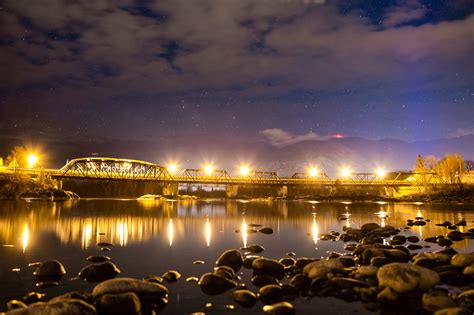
[[390, 191], [59, 184], [282, 191], [170, 189], [232, 191]]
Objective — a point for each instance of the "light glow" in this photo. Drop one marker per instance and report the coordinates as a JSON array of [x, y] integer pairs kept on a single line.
[[346, 171], [25, 237], [208, 232], [172, 168], [32, 160], [313, 171], [380, 173], [244, 232], [208, 169], [170, 232], [314, 230], [244, 170]]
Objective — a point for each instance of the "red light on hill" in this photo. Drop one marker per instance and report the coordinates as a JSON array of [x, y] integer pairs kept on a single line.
[[338, 136]]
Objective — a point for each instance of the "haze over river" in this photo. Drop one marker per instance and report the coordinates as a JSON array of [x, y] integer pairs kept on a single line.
[[151, 237]]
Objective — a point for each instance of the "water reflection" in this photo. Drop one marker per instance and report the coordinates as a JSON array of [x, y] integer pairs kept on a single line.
[[85, 222]]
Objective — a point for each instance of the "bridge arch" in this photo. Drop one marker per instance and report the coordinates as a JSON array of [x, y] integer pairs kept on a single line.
[[114, 168]]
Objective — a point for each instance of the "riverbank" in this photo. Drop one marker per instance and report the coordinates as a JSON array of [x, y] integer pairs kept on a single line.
[[381, 267]]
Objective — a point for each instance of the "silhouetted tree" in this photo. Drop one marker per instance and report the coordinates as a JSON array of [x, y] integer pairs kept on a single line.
[[17, 158], [451, 168]]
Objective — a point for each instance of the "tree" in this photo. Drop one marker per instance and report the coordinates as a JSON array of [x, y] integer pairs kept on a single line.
[[469, 165], [17, 158], [420, 164], [430, 162], [451, 168]]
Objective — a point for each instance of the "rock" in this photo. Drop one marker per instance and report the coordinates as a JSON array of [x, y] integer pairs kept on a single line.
[[387, 294], [51, 270], [104, 244], [444, 242], [403, 277], [254, 249], [366, 228], [62, 307], [171, 276], [198, 262], [270, 294], [213, 284], [413, 239], [454, 278], [439, 257], [225, 272], [105, 249], [366, 271], [99, 272], [380, 261], [462, 260], [244, 298], [249, 260], [231, 258], [153, 279], [348, 283], [287, 261], [466, 299], [453, 311], [266, 230], [300, 281], [437, 300], [455, 236], [347, 261], [302, 262], [86, 297], [98, 259], [469, 270], [322, 268], [33, 297], [461, 223], [419, 223], [425, 262], [431, 239], [152, 295], [15, 304], [122, 303], [47, 284], [264, 266], [282, 308], [414, 246], [263, 280]]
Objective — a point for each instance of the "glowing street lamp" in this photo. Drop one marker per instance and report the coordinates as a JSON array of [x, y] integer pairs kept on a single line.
[[346, 172], [32, 160], [313, 172], [172, 168], [208, 169], [380, 173], [244, 170]]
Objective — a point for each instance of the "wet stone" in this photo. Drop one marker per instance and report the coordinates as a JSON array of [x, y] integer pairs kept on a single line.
[[264, 266], [51, 270], [413, 239], [123, 303], [263, 280], [462, 259], [366, 228], [254, 249], [270, 294], [290, 254], [47, 284], [105, 249], [62, 307], [282, 308], [419, 223], [15, 304], [33, 297], [244, 298], [403, 278], [455, 236], [192, 279], [437, 300], [231, 258], [171, 276], [300, 281], [322, 268], [198, 262], [225, 272], [453, 311], [266, 230], [98, 258], [99, 272], [247, 262], [444, 242], [348, 283], [287, 261], [213, 284], [414, 246], [153, 279], [380, 261]]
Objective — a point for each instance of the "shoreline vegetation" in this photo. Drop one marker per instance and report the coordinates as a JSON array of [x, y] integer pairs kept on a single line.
[[385, 268]]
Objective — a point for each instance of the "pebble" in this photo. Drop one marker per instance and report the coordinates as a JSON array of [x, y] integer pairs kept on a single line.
[[437, 300], [282, 308], [198, 262], [270, 294], [266, 230], [231, 258], [99, 272], [254, 249], [455, 236], [462, 260], [61, 307], [51, 270], [213, 284], [98, 259], [244, 298], [265, 266], [171, 276], [402, 277], [121, 303]]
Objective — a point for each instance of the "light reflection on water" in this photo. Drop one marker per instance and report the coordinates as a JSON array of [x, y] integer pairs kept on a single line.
[[173, 234]]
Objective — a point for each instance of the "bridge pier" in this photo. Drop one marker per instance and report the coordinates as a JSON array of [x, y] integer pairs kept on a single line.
[[232, 191], [59, 184], [170, 189], [282, 191]]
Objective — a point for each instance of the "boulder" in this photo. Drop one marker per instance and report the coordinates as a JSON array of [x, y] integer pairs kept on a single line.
[[231, 258], [402, 277], [322, 268], [99, 272], [213, 284], [462, 260], [264, 266]]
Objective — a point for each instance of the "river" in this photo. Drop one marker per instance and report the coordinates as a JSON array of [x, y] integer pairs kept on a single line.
[[151, 237]]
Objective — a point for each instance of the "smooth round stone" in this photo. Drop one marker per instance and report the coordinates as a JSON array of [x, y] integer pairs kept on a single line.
[[99, 272], [322, 268], [263, 280], [15, 304], [368, 227], [366, 271], [419, 223], [282, 308], [266, 230], [402, 277], [287, 261], [98, 259], [123, 285], [444, 242], [105, 249], [380, 261], [254, 249], [213, 284], [300, 281], [455, 236], [153, 279], [61, 307], [462, 260], [192, 279], [469, 271], [414, 246], [49, 270], [270, 294], [198, 262], [413, 239], [265, 266], [171, 276], [248, 261], [225, 272], [122, 303], [348, 283], [231, 258], [33, 297], [244, 298], [437, 300], [453, 311]]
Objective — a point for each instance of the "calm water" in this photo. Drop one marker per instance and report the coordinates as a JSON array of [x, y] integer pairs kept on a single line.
[[151, 237]]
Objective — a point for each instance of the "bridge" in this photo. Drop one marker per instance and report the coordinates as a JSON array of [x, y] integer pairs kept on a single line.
[[116, 169]]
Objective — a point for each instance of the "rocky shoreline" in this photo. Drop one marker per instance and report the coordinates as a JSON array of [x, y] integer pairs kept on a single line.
[[382, 268]]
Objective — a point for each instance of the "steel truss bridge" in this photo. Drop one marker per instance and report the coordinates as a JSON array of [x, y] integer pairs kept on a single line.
[[97, 168]]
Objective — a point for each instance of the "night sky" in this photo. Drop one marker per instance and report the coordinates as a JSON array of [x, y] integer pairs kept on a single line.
[[115, 77]]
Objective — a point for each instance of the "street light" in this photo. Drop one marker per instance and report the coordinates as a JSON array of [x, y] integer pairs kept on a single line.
[[346, 172], [32, 160], [380, 172], [244, 170], [172, 167], [208, 169], [313, 171]]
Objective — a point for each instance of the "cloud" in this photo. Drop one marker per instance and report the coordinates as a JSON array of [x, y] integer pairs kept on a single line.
[[408, 11], [461, 132], [281, 138]]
